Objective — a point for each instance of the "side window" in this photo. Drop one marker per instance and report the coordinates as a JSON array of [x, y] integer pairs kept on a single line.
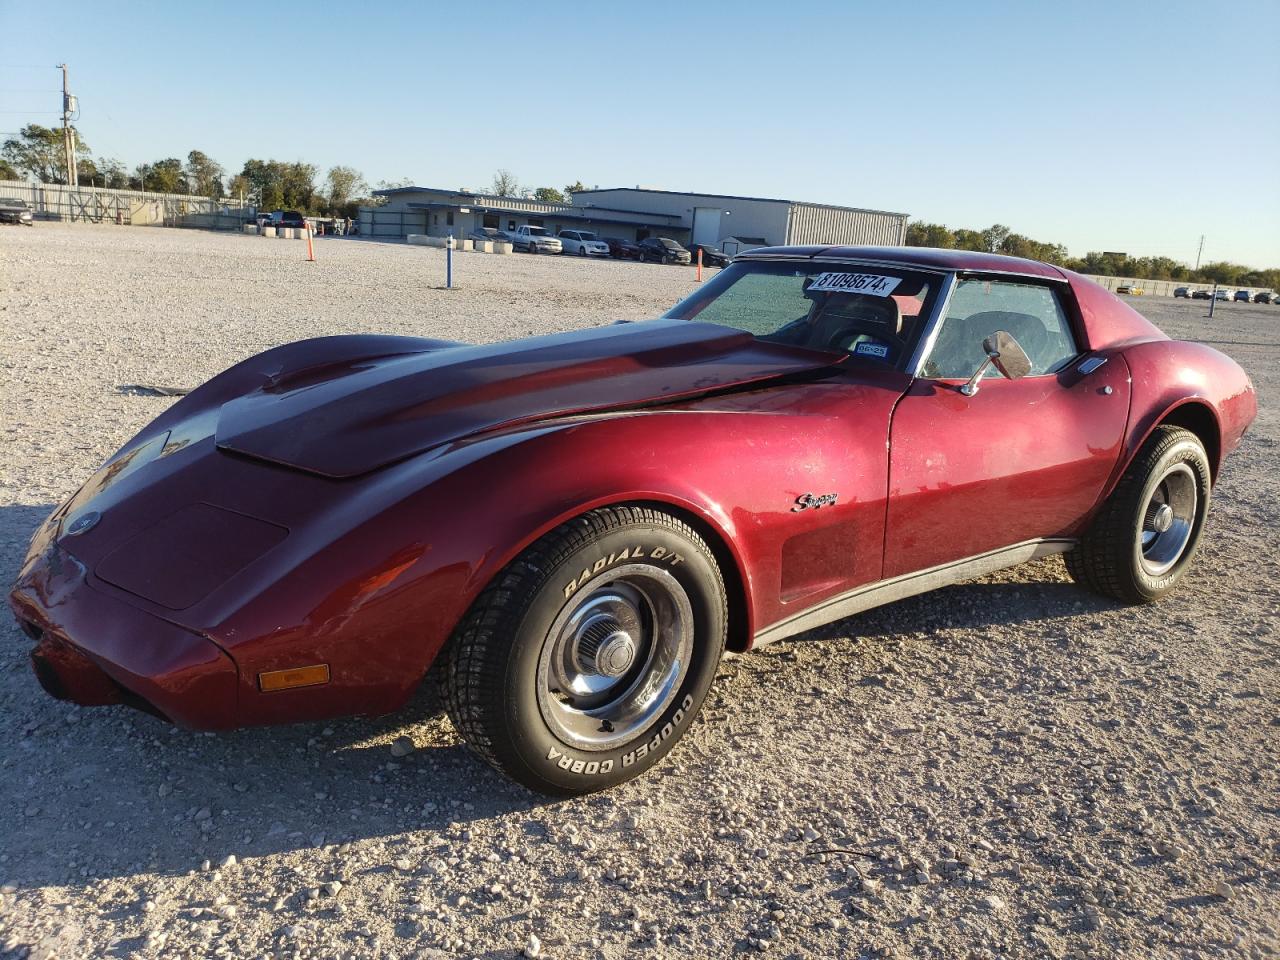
[[978, 308]]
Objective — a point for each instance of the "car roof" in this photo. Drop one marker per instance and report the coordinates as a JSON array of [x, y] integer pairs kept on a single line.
[[929, 257]]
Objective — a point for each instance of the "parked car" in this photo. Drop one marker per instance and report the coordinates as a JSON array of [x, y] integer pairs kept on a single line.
[[711, 257], [13, 210], [285, 218], [1264, 297], [621, 249], [584, 243], [535, 240], [372, 504], [1242, 296], [1221, 295], [663, 250], [1183, 292], [492, 234], [1200, 295], [1130, 289]]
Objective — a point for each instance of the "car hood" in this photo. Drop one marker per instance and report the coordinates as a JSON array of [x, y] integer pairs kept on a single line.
[[346, 419]]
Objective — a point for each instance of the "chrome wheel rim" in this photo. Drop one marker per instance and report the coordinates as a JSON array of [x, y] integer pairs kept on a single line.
[[615, 657], [1168, 517]]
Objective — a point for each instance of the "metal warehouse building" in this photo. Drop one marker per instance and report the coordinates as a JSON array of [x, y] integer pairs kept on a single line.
[[714, 218], [726, 222]]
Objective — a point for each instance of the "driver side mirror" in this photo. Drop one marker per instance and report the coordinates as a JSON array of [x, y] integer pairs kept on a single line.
[[1006, 355]]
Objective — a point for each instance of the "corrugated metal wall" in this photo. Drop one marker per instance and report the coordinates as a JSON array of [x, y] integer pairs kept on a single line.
[[814, 223]]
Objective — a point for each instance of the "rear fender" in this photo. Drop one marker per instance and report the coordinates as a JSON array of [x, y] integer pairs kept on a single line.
[[1190, 385]]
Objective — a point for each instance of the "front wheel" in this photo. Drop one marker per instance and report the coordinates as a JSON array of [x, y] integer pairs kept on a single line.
[[1144, 538], [589, 656]]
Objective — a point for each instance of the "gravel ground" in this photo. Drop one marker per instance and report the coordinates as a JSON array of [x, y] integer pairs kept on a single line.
[[1011, 767]]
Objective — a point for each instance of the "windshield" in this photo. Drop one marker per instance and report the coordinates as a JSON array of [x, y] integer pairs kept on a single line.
[[586, 235], [7, 202], [870, 312], [536, 232], [670, 244]]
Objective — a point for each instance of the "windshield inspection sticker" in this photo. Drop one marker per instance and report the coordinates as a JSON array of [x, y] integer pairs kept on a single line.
[[868, 348], [870, 283]]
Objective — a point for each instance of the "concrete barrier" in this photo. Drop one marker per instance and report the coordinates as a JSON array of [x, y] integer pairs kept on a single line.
[[501, 246], [482, 246], [251, 228], [268, 231]]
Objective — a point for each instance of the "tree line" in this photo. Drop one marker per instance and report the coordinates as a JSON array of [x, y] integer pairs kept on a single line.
[[998, 238], [37, 152]]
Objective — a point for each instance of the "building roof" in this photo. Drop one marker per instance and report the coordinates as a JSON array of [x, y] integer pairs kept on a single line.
[[729, 196]]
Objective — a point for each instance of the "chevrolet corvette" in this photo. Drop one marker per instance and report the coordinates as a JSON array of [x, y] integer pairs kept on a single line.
[[567, 531]]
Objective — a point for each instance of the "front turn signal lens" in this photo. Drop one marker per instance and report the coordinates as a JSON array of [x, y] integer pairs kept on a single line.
[[311, 676]]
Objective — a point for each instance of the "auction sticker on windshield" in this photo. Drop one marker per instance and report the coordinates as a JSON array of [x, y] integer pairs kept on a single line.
[[871, 283]]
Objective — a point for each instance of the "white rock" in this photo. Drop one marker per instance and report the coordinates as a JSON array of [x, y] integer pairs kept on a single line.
[[401, 747], [533, 947]]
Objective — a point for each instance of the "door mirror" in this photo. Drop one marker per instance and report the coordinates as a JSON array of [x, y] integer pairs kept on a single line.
[[1006, 355]]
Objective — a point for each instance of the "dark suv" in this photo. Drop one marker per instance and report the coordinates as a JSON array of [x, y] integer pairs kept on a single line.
[[286, 218], [663, 250]]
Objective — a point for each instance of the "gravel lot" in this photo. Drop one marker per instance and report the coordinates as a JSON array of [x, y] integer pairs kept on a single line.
[[1011, 767]]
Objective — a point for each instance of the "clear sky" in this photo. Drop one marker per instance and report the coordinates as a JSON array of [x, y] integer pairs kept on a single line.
[[1105, 126]]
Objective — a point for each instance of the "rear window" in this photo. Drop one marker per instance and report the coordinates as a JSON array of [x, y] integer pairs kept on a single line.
[[870, 312]]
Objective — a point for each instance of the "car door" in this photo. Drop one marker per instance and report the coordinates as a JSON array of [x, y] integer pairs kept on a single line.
[[1020, 460]]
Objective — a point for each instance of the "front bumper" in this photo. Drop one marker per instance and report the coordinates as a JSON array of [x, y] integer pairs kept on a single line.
[[93, 649]]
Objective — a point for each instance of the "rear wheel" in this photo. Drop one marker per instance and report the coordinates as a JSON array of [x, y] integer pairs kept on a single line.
[[1143, 540], [588, 657]]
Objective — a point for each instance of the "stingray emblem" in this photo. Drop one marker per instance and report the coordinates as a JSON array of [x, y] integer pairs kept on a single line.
[[809, 501], [84, 523]]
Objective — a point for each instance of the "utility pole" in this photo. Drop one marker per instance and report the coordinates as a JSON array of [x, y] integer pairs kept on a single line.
[[69, 107], [1199, 251]]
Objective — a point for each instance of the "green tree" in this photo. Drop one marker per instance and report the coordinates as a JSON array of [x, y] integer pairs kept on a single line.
[[38, 152], [994, 236], [167, 176], [345, 184], [576, 187], [114, 174], [204, 175], [7, 171], [505, 184], [298, 181], [969, 240], [549, 194], [929, 235]]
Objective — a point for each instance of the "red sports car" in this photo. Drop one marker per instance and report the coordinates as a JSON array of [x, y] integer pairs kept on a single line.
[[572, 528]]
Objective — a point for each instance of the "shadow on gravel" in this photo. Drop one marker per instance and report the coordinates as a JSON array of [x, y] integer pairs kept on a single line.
[[106, 792]]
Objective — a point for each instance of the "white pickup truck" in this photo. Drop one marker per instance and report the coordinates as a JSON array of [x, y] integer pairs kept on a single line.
[[583, 242], [536, 240]]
